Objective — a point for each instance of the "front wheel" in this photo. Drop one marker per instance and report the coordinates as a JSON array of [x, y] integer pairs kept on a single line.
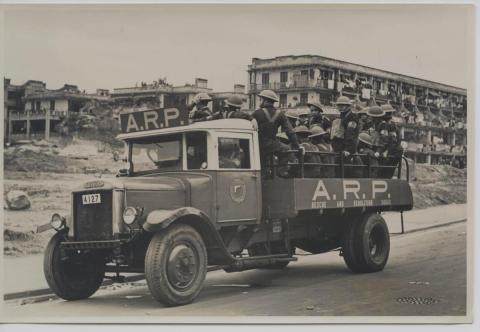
[[72, 275], [366, 244], [176, 265]]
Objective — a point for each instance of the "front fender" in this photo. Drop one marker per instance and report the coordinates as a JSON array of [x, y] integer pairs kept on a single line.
[[158, 220], [161, 219]]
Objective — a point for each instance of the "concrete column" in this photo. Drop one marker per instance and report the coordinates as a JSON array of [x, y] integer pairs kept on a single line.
[[28, 124], [47, 124], [402, 132], [454, 139], [429, 136], [429, 159], [10, 129]]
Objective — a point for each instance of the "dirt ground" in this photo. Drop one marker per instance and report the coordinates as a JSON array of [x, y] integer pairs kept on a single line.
[[50, 193]]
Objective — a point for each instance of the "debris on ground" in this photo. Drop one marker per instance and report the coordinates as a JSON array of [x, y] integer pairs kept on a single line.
[[17, 200]]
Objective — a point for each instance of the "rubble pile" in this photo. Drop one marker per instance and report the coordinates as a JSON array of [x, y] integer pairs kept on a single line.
[[438, 185]]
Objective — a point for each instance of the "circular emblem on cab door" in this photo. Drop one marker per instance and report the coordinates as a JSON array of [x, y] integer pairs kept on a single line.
[[238, 191]]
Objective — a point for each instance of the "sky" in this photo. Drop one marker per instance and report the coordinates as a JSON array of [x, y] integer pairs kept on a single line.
[[118, 46]]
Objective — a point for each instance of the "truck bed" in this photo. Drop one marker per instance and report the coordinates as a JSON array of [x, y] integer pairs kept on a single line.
[[285, 198]]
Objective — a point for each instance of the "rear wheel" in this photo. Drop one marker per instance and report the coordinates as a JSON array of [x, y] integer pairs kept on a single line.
[[366, 245], [72, 276], [176, 265]]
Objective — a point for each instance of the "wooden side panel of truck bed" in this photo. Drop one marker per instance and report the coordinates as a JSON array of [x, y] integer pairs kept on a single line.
[[285, 198]]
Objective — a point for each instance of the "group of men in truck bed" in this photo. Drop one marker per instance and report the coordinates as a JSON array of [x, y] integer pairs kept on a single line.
[[363, 137]]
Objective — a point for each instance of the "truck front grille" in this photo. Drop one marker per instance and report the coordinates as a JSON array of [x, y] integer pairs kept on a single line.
[[92, 222]]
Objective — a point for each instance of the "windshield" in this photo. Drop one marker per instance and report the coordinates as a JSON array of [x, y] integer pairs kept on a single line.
[[162, 153]]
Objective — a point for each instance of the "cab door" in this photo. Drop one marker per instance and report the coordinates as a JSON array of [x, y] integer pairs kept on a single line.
[[238, 179]]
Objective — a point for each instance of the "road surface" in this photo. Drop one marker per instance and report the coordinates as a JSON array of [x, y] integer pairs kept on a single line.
[[425, 276]]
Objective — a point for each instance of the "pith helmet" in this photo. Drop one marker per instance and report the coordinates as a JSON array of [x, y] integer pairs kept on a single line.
[[317, 131], [302, 130], [387, 108], [316, 105], [234, 101], [365, 138], [343, 100], [202, 96], [269, 94], [375, 112]]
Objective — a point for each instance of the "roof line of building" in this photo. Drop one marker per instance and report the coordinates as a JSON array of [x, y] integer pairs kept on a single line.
[[358, 65]]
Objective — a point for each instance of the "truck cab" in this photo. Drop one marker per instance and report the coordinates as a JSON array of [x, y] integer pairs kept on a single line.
[[193, 195]]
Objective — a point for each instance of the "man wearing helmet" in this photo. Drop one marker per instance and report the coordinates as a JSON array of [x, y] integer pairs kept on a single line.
[[268, 119], [316, 117], [231, 110], [201, 111], [344, 134], [393, 150], [318, 137], [366, 147], [312, 161]]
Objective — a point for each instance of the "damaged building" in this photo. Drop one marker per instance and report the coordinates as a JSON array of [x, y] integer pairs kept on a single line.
[[161, 94], [431, 116], [32, 111]]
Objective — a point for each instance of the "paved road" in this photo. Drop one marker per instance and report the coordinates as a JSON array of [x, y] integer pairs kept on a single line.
[[426, 266]]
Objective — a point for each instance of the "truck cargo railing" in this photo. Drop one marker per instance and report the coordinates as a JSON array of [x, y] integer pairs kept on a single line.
[[341, 166]]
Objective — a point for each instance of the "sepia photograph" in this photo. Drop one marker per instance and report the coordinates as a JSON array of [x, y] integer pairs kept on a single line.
[[238, 163]]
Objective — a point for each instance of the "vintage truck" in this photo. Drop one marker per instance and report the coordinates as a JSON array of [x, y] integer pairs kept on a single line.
[[194, 195]]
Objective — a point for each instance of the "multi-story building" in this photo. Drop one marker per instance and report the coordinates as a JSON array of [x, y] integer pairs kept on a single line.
[[162, 94], [33, 111], [432, 116]]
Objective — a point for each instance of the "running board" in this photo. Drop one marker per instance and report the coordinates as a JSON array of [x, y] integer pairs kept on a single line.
[[249, 263]]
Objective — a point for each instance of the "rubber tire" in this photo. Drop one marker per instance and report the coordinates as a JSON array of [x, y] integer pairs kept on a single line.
[[356, 250], [156, 265], [259, 251], [63, 285]]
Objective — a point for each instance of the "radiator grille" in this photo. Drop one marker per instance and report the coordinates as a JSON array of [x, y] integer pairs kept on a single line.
[[93, 222]]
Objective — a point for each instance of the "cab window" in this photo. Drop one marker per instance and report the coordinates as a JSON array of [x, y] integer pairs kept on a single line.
[[196, 144], [162, 153], [233, 153]]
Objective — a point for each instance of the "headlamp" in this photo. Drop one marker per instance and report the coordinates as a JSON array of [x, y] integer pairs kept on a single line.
[[130, 215], [57, 221]]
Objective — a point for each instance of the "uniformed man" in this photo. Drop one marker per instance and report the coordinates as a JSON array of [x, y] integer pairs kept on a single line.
[[231, 110], [344, 134], [312, 161], [304, 116], [316, 116], [376, 114], [366, 148], [293, 118], [268, 120], [393, 149], [201, 111], [318, 137]]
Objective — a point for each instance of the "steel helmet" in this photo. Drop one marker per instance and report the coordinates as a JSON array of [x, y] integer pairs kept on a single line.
[[365, 138], [202, 96], [343, 100], [317, 131], [302, 130], [292, 114], [375, 112], [303, 112], [234, 101], [283, 137], [316, 105], [269, 94], [387, 108]]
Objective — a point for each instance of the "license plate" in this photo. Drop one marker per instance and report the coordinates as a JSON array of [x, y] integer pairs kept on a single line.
[[91, 199]]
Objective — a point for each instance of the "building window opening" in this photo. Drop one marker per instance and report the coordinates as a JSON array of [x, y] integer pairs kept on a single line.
[[52, 105], [283, 100], [303, 98]]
